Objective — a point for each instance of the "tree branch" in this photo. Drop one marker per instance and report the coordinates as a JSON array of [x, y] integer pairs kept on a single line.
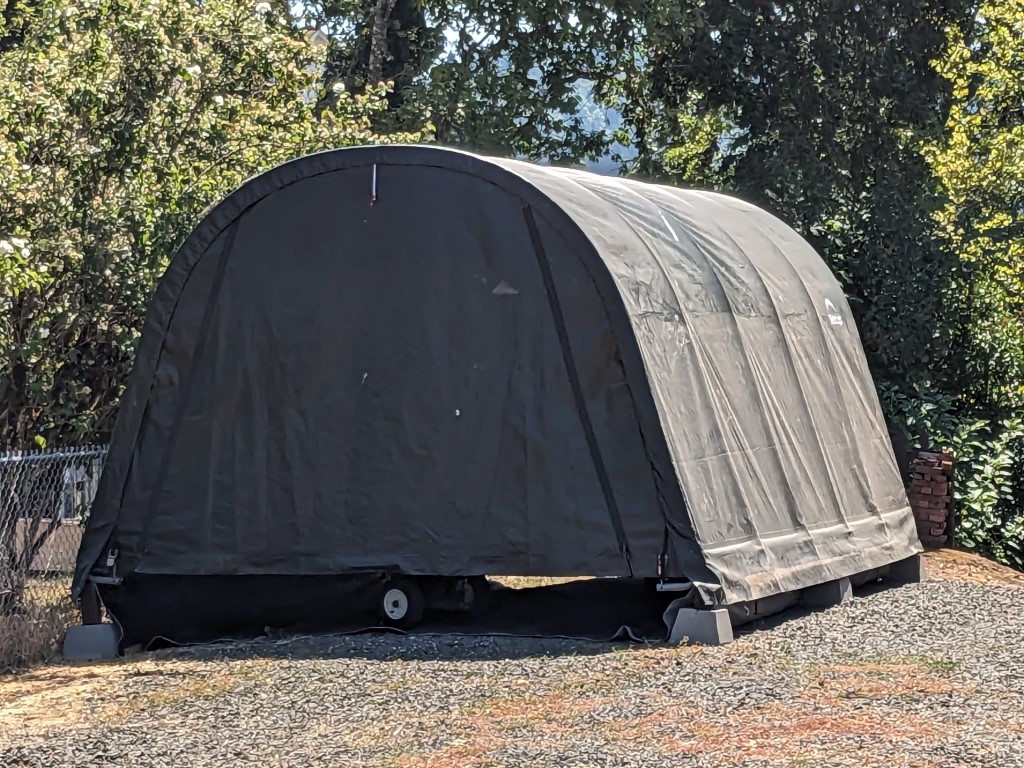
[[378, 40]]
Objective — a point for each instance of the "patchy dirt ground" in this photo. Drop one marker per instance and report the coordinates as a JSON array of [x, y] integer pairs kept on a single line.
[[923, 675], [950, 564]]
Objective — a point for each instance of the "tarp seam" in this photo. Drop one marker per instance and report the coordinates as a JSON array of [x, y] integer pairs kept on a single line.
[[574, 384]]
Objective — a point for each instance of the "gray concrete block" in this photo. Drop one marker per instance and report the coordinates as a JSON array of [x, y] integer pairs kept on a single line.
[[908, 571], [828, 594], [745, 613], [704, 627], [867, 577], [92, 642]]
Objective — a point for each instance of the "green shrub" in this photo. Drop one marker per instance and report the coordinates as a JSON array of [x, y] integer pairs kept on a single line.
[[989, 486]]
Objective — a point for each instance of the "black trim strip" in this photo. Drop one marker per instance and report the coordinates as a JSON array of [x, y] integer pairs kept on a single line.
[[186, 389], [574, 384]]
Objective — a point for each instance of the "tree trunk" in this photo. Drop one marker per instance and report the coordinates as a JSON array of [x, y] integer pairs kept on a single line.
[[378, 40]]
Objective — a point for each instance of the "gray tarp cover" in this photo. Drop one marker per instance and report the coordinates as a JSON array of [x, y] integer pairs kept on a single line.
[[418, 359]]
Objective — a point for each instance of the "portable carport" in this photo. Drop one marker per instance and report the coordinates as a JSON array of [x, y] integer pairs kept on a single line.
[[418, 360]]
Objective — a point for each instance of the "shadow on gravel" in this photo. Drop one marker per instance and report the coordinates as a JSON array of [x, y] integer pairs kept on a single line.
[[796, 612], [581, 618], [388, 646]]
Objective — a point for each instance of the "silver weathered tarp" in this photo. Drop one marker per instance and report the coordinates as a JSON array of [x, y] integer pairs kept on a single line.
[[418, 360]]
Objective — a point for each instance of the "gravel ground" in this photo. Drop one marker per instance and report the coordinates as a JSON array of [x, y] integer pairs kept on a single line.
[[923, 675]]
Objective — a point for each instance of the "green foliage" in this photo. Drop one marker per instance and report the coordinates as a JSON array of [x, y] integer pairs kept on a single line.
[[505, 79], [924, 416], [989, 494], [989, 457], [979, 162], [122, 121], [816, 111], [409, 46]]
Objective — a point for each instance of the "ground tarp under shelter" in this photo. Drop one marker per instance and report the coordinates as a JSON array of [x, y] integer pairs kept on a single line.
[[420, 360]]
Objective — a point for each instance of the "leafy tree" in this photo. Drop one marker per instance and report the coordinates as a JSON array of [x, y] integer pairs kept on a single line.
[[500, 76], [402, 48], [979, 161], [817, 111], [121, 121]]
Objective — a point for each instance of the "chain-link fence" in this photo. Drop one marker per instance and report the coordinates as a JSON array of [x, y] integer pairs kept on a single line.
[[45, 497]]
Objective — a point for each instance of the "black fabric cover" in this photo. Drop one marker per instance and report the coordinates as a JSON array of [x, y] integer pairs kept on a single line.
[[415, 359]]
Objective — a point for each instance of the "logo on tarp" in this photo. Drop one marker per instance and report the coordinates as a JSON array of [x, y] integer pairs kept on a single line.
[[833, 314]]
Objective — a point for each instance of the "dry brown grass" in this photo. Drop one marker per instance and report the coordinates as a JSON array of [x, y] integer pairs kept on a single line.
[[886, 679], [51, 695], [33, 633], [538, 718], [526, 582], [804, 733], [854, 704], [827, 716], [855, 707], [189, 687], [954, 565], [59, 695]]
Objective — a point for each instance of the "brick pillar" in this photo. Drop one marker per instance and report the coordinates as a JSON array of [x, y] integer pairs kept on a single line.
[[930, 493]]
